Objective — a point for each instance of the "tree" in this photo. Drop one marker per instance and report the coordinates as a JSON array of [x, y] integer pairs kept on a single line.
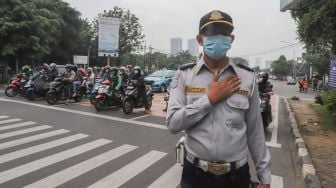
[[130, 33], [27, 31], [282, 67], [181, 58]]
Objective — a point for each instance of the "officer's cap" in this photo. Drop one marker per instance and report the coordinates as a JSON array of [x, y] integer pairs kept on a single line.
[[216, 22]]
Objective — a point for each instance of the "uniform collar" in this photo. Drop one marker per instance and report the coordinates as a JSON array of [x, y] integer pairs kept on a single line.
[[202, 65]]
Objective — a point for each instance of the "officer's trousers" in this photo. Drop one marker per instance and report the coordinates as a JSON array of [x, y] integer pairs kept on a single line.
[[194, 177]]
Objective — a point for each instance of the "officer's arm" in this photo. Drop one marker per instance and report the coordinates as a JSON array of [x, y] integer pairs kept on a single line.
[[256, 140], [181, 116]]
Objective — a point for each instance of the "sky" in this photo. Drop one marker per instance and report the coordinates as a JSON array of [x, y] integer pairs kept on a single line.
[[261, 30]]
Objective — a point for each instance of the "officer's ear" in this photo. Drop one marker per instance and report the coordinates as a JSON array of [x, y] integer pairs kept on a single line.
[[232, 38], [199, 39]]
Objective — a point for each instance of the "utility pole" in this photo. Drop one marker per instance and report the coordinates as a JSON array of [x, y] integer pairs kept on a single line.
[[88, 57], [150, 58], [145, 55]]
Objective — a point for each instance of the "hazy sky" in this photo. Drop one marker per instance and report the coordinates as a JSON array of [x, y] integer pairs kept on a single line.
[[259, 25]]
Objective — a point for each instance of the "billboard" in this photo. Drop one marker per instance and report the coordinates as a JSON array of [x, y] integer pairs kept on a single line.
[[80, 60], [288, 4], [108, 36], [332, 74]]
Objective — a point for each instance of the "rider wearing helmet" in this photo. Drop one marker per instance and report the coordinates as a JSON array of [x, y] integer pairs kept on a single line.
[[26, 71], [263, 84], [90, 77], [106, 72], [140, 83], [69, 74], [115, 79], [53, 72], [123, 74]]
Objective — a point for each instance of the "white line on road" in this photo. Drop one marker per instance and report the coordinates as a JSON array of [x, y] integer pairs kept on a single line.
[[275, 125], [128, 121], [9, 121], [3, 117], [170, 179], [81, 168], [32, 138], [16, 125], [52, 159], [271, 144], [35, 149], [277, 182], [139, 117], [129, 171], [23, 131]]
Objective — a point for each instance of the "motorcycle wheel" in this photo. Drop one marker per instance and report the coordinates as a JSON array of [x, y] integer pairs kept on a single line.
[[100, 105], [128, 106], [93, 99], [30, 96], [51, 98], [78, 98], [11, 92], [149, 103]]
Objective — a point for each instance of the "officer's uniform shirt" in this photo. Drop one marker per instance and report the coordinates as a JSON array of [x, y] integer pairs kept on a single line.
[[222, 132]]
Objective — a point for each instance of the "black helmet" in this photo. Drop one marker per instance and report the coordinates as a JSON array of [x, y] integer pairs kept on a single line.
[[68, 67], [114, 71], [137, 70], [264, 76], [107, 69]]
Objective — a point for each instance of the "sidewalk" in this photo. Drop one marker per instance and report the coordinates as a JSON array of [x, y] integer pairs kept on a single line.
[[321, 143]]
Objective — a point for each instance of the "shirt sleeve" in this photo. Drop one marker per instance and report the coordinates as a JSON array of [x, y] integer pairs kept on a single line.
[[256, 140], [180, 115]]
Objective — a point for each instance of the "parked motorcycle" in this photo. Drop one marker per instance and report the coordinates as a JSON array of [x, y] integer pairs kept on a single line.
[[15, 86], [59, 90], [107, 96], [133, 100]]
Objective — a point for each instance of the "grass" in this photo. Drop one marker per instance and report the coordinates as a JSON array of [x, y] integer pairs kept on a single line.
[[328, 119]]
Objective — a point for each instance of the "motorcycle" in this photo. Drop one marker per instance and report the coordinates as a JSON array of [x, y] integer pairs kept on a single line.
[[94, 90], [59, 90], [37, 86], [107, 97], [265, 106], [133, 100], [16, 86]]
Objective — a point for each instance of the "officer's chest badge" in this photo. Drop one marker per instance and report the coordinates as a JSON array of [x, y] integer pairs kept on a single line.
[[195, 90], [243, 92]]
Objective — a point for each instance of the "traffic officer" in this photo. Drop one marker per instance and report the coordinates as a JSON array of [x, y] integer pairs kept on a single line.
[[216, 103]]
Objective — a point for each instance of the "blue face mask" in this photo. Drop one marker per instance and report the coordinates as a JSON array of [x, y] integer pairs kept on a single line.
[[216, 46]]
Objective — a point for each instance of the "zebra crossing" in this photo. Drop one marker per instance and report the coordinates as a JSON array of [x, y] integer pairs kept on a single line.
[[17, 133]]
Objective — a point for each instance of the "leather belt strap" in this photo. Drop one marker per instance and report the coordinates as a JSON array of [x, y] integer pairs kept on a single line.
[[214, 167]]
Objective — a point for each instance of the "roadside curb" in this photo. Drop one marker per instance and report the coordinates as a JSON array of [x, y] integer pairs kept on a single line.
[[310, 178]]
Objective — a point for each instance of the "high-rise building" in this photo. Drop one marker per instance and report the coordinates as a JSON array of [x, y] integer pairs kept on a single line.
[[175, 45], [193, 48]]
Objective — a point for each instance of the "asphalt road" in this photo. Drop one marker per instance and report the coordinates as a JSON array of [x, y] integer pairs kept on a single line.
[[281, 88], [75, 146]]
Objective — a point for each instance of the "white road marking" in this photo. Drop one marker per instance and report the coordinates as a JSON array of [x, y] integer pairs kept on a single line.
[[16, 125], [9, 121], [277, 182], [128, 121], [23, 131], [81, 168], [32, 138], [275, 125], [129, 171], [52, 159], [139, 117], [170, 179], [35, 149], [3, 117], [271, 144]]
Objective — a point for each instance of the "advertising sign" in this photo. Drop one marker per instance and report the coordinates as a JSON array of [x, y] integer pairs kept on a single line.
[[108, 40], [332, 74], [80, 60]]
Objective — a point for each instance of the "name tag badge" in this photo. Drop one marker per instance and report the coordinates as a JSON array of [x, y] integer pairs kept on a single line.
[[195, 90], [243, 92]]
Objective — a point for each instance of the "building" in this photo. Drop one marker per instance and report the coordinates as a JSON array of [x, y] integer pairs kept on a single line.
[[193, 47], [175, 45], [268, 64]]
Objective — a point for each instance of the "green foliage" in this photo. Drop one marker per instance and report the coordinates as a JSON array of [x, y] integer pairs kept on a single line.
[[282, 67], [181, 58], [329, 100]]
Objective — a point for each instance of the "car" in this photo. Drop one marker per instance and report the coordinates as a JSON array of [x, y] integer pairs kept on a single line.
[[160, 79], [291, 81]]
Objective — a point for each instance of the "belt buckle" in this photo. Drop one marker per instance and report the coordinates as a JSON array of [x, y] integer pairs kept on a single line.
[[219, 169]]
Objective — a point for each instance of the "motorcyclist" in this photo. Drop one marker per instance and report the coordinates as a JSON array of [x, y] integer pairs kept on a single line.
[[53, 71], [115, 79], [123, 75], [106, 72], [26, 71], [69, 75], [137, 78], [89, 79], [264, 84], [129, 70], [80, 74]]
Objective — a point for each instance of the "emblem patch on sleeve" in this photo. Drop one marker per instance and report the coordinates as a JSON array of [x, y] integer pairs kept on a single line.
[[174, 83]]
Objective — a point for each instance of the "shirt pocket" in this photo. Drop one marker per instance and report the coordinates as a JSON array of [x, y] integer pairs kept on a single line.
[[237, 105], [191, 98]]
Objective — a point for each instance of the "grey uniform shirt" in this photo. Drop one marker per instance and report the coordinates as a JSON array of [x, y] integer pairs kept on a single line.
[[224, 131]]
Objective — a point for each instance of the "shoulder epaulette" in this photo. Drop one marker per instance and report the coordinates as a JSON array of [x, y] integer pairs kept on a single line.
[[186, 66], [245, 67]]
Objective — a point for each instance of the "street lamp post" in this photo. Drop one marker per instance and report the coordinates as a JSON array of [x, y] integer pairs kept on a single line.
[[88, 57], [292, 44]]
